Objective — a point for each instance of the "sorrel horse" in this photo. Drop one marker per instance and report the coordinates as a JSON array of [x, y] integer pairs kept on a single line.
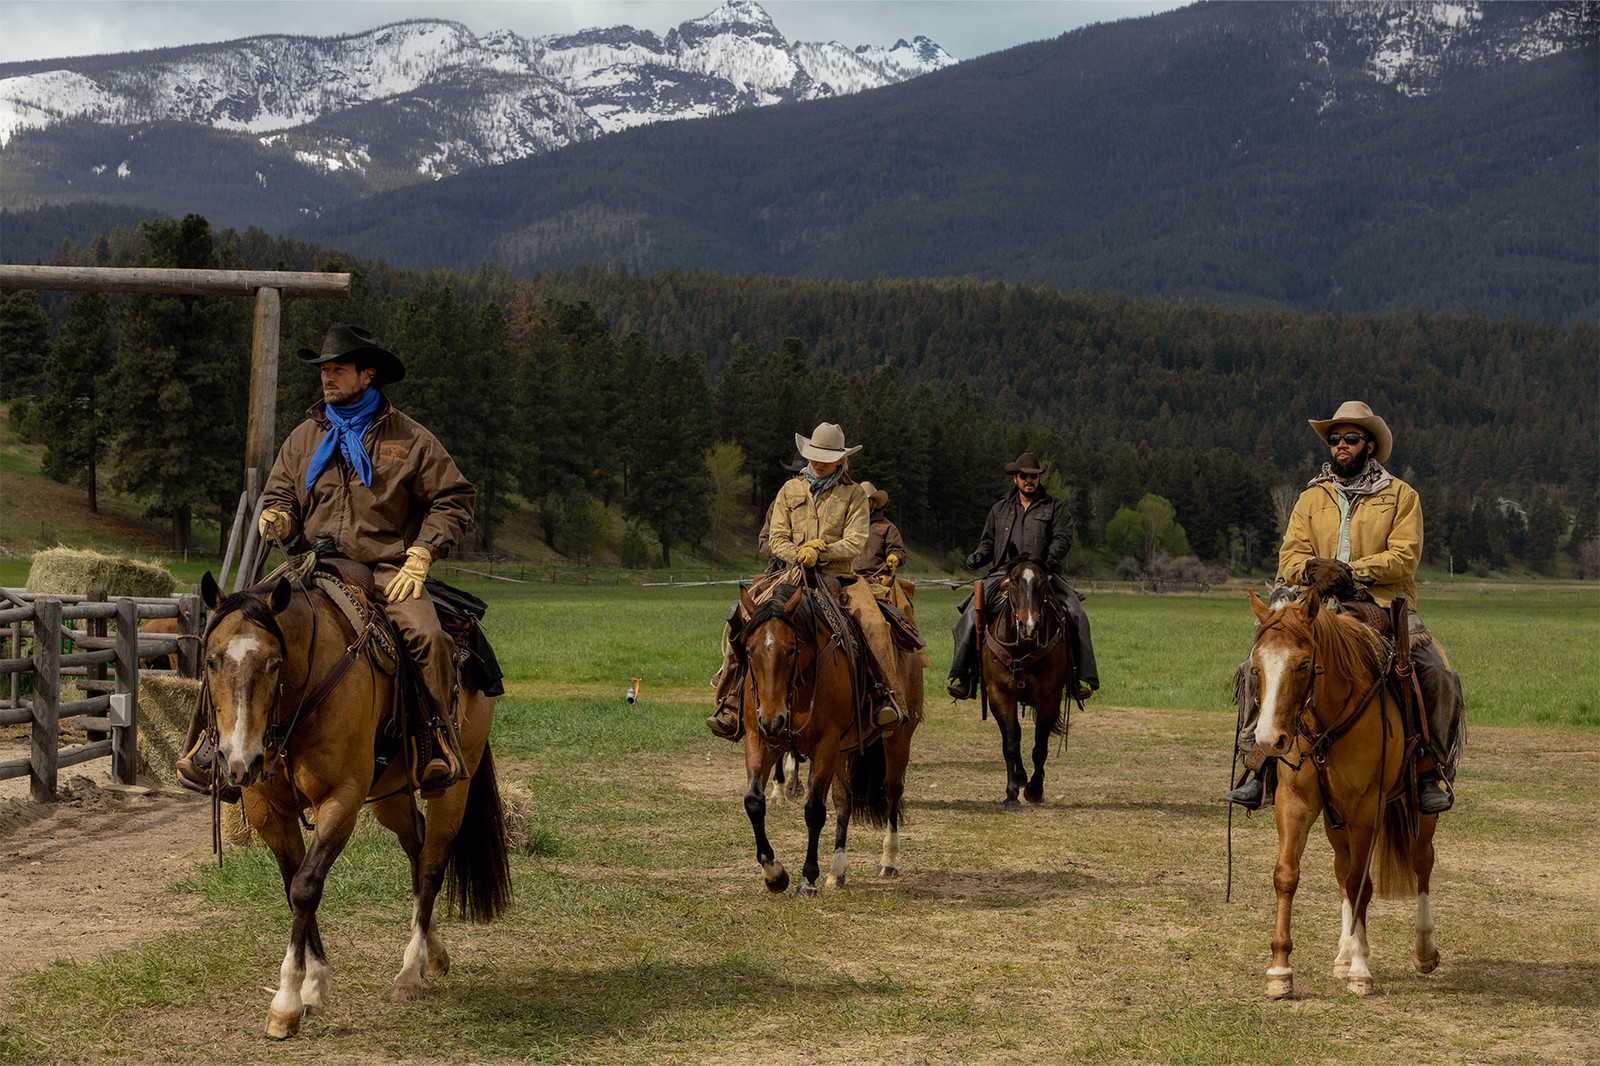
[[298, 724], [1334, 725], [1025, 657], [800, 699]]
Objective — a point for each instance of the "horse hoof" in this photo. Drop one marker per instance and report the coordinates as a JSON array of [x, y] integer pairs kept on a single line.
[[1341, 970], [1011, 805], [779, 883], [1034, 795], [405, 993], [1361, 986], [437, 966], [310, 1011], [888, 871], [834, 882], [1426, 965], [282, 1026], [805, 888], [1280, 987]]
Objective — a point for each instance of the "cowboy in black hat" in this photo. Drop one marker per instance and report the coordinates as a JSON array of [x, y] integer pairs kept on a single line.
[[1027, 521], [384, 490]]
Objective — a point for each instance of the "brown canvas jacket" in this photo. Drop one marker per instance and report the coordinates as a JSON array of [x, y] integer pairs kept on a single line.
[[839, 517], [1385, 538], [883, 539], [417, 495]]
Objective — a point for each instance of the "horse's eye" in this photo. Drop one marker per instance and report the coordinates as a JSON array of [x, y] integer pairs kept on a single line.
[[211, 662], [1305, 664]]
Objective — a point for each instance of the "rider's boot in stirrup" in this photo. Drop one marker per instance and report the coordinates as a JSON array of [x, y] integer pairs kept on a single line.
[[1250, 793], [728, 721], [1432, 797]]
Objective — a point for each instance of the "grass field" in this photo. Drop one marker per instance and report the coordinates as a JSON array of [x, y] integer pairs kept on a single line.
[[1090, 929]]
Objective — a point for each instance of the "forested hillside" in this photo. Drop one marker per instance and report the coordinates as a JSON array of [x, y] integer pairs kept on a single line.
[[676, 398]]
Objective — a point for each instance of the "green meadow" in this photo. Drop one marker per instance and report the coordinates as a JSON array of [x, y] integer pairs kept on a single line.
[[1093, 928]]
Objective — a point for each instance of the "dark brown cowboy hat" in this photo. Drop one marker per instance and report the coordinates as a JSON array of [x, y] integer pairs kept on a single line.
[[1026, 463], [1356, 413], [352, 344]]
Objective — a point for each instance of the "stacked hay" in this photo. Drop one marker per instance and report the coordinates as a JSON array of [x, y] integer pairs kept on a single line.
[[517, 802], [235, 829], [166, 703], [67, 571]]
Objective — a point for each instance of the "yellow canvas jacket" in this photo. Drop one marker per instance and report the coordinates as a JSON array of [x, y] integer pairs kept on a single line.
[[1385, 537], [838, 516]]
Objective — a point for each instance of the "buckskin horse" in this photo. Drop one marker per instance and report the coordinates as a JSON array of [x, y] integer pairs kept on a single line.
[[1025, 657], [1330, 718], [299, 711], [801, 698]]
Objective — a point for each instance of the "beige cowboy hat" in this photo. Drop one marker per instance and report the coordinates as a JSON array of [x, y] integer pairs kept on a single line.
[[825, 445], [352, 344], [1026, 463], [1356, 413], [875, 496]]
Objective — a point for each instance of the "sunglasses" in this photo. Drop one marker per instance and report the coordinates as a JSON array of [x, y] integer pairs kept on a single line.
[[1348, 438]]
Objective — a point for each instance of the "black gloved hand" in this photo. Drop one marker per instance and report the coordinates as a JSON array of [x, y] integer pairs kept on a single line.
[[974, 561], [1330, 577]]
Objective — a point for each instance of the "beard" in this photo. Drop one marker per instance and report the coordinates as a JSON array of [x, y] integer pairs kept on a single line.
[[1350, 468]]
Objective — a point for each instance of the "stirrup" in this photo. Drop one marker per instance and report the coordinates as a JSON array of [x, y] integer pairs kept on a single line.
[[960, 688], [1250, 794], [1433, 797], [197, 774], [1082, 692], [721, 726]]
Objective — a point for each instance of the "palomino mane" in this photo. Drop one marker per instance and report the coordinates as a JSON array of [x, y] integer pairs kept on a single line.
[[1344, 644]]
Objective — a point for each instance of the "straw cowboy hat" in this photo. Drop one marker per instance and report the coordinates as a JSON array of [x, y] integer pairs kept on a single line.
[[825, 445], [1356, 413], [875, 496], [352, 344], [1026, 463]]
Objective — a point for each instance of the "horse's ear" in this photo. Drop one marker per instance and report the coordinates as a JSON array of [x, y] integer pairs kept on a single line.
[[1313, 604], [210, 591], [794, 601], [279, 598], [1261, 610], [747, 606]]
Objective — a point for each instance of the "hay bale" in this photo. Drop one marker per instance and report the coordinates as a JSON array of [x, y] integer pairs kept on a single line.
[[68, 571], [166, 703], [236, 830]]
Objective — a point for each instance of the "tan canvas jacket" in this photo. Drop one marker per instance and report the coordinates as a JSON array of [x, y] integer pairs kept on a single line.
[[839, 517], [1385, 538], [417, 495]]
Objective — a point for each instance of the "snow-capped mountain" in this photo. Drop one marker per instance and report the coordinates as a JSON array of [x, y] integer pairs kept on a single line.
[[431, 97]]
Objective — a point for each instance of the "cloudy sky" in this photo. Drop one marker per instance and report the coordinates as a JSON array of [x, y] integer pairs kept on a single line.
[[49, 29]]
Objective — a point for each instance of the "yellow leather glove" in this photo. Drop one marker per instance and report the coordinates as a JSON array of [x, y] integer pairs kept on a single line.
[[278, 520], [407, 584], [806, 555], [817, 543], [893, 561]]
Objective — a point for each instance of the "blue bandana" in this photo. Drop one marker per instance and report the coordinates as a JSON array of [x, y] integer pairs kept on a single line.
[[819, 485], [349, 425]]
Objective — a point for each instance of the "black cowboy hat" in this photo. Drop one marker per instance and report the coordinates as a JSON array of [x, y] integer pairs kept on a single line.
[[352, 344], [1026, 463]]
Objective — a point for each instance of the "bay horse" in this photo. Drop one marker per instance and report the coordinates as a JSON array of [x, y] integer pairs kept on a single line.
[[1025, 658], [298, 722], [1334, 725], [800, 699]]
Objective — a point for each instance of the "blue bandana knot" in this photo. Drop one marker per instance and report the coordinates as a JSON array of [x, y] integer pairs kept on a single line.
[[348, 424]]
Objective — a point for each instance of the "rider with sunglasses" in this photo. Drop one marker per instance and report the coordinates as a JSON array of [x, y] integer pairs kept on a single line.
[[1358, 527]]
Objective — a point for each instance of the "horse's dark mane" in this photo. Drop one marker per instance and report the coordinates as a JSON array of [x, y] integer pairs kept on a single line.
[[252, 604], [772, 607]]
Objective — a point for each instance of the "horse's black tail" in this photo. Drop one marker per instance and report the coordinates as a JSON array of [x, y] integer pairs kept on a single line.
[[868, 797], [478, 873], [1394, 871]]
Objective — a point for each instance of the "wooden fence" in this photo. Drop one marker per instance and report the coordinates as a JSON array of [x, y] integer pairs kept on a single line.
[[60, 653]]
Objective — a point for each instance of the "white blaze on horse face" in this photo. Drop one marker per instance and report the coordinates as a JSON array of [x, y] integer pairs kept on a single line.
[[239, 743], [1026, 622], [1276, 664]]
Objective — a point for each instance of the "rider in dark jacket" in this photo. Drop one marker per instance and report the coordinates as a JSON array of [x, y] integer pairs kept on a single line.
[[1027, 521]]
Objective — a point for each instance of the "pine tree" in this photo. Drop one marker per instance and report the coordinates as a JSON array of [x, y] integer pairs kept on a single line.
[[71, 420], [24, 343]]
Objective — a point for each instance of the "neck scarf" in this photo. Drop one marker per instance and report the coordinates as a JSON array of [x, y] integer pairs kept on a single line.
[[348, 425], [819, 485], [1372, 478]]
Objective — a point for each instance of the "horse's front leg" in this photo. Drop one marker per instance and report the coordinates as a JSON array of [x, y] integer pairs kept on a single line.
[[303, 975], [1005, 716], [840, 863], [1294, 816], [1356, 887], [1044, 725], [816, 808], [758, 761]]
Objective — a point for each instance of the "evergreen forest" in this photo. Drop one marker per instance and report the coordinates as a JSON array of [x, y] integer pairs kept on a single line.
[[628, 417]]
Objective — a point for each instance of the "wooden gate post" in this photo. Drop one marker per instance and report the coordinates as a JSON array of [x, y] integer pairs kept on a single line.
[[262, 426], [46, 704], [125, 741], [190, 610]]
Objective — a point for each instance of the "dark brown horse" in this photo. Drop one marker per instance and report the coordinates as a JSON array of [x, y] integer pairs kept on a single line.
[[1336, 728], [298, 724], [1026, 659], [800, 699]]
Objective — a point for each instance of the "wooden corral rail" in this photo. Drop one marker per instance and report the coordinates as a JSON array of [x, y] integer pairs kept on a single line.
[[113, 704]]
